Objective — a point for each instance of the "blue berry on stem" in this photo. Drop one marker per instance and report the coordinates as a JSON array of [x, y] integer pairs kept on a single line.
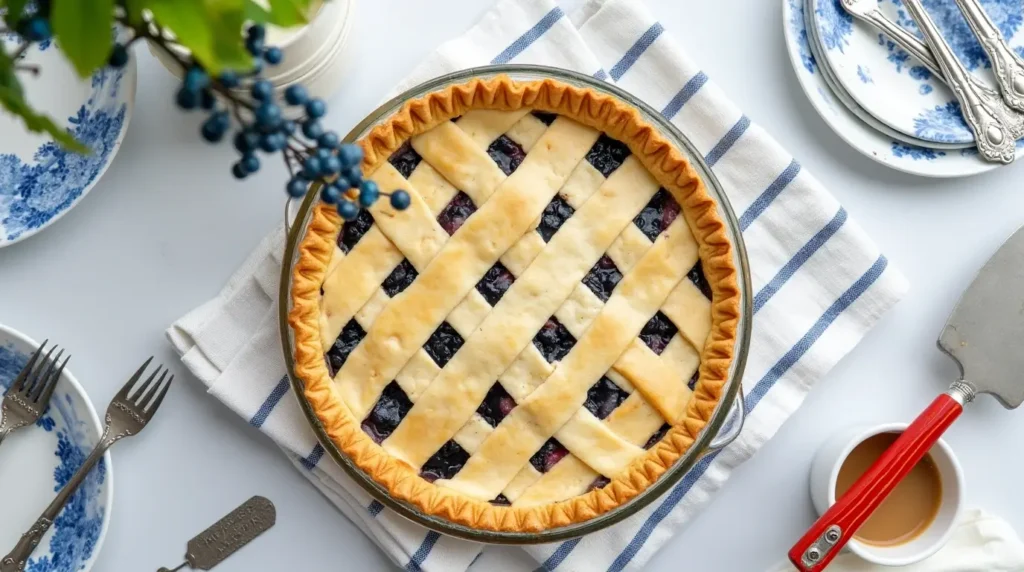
[[297, 186], [330, 194], [311, 168], [322, 154], [254, 45], [238, 170], [316, 108], [295, 95], [37, 29], [273, 55], [329, 140], [348, 210], [251, 163], [312, 129], [288, 127], [257, 32], [257, 67], [331, 165], [207, 100], [350, 154], [262, 90], [246, 141], [118, 56], [400, 200], [272, 142], [353, 175], [228, 79], [268, 115], [187, 99], [196, 79], [213, 129], [368, 194]]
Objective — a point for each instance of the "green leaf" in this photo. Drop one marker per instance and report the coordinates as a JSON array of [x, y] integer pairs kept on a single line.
[[255, 13], [288, 13], [83, 30], [12, 99], [15, 10], [133, 9], [211, 30]]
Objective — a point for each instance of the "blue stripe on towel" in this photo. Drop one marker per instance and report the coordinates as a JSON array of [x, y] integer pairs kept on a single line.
[[761, 203], [559, 555], [636, 50], [422, 552], [313, 458], [727, 141], [375, 508], [529, 37], [753, 398], [801, 256], [270, 403], [689, 90]]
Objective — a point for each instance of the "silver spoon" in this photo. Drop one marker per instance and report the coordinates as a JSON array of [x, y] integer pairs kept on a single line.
[[1007, 65]]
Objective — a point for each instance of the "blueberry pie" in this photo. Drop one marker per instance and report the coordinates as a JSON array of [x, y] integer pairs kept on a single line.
[[543, 332]]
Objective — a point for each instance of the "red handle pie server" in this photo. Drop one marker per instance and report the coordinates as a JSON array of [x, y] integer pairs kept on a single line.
[[983, 336]]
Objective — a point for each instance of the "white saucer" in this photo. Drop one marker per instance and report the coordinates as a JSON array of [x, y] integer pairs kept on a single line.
[[39, 180], [36, 462], [873, 144], [892, 86]]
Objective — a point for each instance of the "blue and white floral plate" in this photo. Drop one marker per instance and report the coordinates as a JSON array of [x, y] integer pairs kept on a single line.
[[36, 462], [874, 144], [40, 181]]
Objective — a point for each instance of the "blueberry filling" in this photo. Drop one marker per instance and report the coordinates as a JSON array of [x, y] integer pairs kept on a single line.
[[495, 283], [657, 436], [657, 215], [405, 159], [555, 214], [399, 279], [545, 117], [446, 462], [456, 212], [496, 405], [607, 154], [603, 278], [353, 230], [658, 332], [603, 397], [387, 413], [696, 276], [692, 384], [550, 453], [553, 340], [507, 154], [350, 337], [443, 344], [501, 500], [599, 483]]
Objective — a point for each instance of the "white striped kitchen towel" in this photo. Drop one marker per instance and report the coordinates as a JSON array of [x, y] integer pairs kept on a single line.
[[820, 283]]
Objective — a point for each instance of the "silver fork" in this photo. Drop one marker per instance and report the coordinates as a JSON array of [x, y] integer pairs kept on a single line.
[[130, 411], [1007, 65], [31, 391]]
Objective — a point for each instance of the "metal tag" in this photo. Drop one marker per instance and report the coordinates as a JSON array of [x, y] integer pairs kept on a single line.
[[231, 533]]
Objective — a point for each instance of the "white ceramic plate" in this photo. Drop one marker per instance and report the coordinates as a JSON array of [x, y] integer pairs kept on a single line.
[[873, 144], [894, 87], [36, 462], [40, 181]]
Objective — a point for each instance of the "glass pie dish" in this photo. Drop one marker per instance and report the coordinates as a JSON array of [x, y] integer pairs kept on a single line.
[[386, 411]]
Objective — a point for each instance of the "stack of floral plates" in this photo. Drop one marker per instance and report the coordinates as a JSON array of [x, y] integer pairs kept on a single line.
[[881, 100]]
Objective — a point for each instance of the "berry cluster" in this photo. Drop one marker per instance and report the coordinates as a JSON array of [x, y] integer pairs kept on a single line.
[[36, 27], [311, 153]]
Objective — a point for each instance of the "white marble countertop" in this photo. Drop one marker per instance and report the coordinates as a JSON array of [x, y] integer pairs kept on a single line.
[[168, 224]]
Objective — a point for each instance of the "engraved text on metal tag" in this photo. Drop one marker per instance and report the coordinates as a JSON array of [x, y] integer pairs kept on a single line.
[[231, 533]]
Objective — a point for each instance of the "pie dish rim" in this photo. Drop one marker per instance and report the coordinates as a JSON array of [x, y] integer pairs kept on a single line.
[[543, 523]]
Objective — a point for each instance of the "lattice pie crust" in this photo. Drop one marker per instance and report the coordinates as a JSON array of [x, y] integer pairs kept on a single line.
[[494, 248]]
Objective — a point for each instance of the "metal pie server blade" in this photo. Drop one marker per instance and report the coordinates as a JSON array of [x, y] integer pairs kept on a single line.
[[984, 332], [983, 335]]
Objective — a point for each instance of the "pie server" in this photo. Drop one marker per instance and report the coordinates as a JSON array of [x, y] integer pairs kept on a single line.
[[983, 335]]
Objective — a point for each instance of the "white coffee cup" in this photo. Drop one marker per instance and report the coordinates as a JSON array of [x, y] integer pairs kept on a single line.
[[825, 473]]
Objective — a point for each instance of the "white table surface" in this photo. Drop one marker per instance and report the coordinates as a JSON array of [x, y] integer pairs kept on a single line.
[[167, 225]]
